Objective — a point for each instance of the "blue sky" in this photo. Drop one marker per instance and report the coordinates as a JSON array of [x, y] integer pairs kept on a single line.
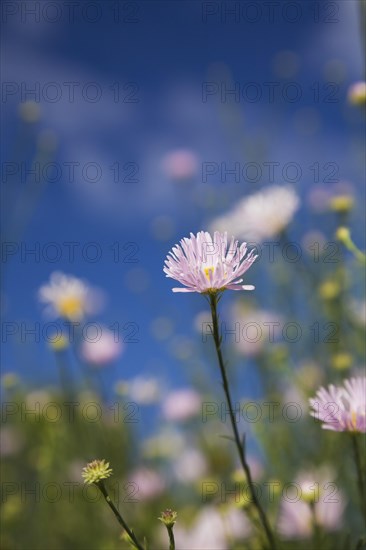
[[162, 60]]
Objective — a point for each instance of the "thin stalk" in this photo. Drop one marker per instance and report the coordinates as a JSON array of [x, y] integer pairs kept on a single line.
[[240, 447], [360, 482], [171, 538], [120, 519], [316, 526]]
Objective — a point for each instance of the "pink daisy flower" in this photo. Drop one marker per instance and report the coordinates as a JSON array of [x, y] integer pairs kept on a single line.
[[207, 264], [342, 408]]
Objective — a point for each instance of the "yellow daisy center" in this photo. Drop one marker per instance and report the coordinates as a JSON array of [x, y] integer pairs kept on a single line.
[[353, 419], [70, 307], [208, 271]]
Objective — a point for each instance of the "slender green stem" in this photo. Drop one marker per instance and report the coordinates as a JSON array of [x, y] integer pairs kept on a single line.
[[240, 447], [171, 538], [316, 526], [360, 481], [120, 519]]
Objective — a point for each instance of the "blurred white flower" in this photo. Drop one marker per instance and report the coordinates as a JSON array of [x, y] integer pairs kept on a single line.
[[181, 405], [144, 391], [357, 93], [296, 518], [261, 215], [169, 443], [69, 297], [213, 531], [180, 164], [103, 351], [148, 483], [190, 465], [38, 400]]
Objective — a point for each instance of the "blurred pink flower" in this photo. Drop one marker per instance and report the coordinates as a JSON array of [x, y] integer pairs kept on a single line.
[[11, 441], [256, 329], [180, 164], [148, 484], [181, 405], [205, 264], [296, 518], [103, 351], [190, 465], [342, 408]]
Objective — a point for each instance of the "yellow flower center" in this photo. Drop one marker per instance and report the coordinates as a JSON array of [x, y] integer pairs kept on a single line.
[[208, 271], [70, 307], [353, 420], [59, 344]]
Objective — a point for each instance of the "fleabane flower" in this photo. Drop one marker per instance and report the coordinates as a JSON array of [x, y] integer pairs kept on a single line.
[[102, 351], [357, 93], [296, 517], [168, 517], [68, 297], [261, 215], [95, 471], [342, 408], [207, 264]]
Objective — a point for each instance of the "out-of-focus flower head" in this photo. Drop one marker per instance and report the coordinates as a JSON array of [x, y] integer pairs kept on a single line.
[[341, 203], [318, 198], [96, 471], [30, 111], [190, 465], [69, 297], [169, 443], [9, 380], [181, 405], [256, 329], [358, 311], [342, 361], [207, 264], [149, 484], [309, 375], [59, 343], [342, 408], [180, 165], [343, 234], [329, 289], [102, 351], [11, 441], [260, 216], [143, 390], [212, 530], [296, 517], [357, 93]]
